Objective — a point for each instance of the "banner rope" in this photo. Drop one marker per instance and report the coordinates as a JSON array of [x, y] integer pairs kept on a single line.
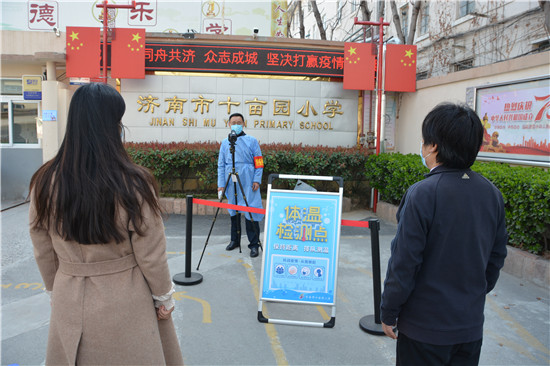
[[230, 206]]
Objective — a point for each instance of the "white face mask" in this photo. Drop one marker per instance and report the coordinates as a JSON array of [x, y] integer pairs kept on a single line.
[[423, 157]]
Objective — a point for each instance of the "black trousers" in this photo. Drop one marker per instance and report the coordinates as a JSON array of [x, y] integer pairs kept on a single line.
[[252, 231], [413, 353]]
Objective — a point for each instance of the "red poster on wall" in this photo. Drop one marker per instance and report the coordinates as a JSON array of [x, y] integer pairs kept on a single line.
[[516, 120]]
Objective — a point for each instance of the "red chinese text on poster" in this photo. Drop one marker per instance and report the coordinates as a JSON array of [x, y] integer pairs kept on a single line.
[[516, 118]]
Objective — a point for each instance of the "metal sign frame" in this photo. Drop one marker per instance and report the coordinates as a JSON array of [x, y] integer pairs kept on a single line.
[[301, 248]]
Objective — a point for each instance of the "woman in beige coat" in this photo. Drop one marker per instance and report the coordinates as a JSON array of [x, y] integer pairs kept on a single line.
[[99, 244]]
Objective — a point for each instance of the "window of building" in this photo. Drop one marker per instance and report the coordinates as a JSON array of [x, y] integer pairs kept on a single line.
[[5, 124], [405, 20], [425, 18], [541, 46], [463, 65], [421, 75], [11, 87], [18, 121], [465, 8]]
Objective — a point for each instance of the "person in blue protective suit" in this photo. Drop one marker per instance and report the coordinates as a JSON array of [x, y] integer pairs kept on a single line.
[[249, 167], [449, 248]]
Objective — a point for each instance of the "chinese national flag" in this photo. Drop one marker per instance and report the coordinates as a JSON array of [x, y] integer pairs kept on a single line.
[[359, 66], [83, 52], [128, 53], [400, 68]]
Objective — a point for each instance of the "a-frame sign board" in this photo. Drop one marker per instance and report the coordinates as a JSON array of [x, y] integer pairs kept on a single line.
[[301, 243]]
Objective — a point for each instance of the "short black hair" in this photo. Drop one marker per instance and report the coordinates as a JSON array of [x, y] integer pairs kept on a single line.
[[236, 115], [457, 131]]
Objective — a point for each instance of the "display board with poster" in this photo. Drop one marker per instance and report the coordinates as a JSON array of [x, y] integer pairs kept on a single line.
[[516, 121], [301, 237]]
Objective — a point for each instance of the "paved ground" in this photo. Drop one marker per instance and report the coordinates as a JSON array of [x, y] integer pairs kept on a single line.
[[216, 319]]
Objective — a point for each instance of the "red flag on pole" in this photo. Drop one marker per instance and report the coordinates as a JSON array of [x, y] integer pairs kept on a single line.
[[128, 53], [359, 66], [400, 68], [83, 52]]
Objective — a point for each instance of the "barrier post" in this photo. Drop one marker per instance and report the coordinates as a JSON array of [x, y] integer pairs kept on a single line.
[[188, 278], [372, 323]]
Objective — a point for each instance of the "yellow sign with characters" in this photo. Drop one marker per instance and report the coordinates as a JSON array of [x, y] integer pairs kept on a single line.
[[32, 87]]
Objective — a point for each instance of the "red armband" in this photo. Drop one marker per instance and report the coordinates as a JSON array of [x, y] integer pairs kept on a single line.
[[258, 162]]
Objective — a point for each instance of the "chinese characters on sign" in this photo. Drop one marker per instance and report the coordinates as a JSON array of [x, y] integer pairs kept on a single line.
[[201, 105], [32, 87], [214, 26], [144, 14], [243, 59], [302, 224], [516, 119], [279, 18], [43, 14], [301, 246]]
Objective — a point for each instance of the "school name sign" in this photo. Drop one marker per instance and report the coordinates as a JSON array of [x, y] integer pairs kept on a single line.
[[195, 108]]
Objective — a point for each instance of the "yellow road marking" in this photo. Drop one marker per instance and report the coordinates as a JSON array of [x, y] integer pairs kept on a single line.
[[341, 296], [35, 285], [505, 342], [365, 271], [323, 312], [276, 347], [206, 309], [521, 331]]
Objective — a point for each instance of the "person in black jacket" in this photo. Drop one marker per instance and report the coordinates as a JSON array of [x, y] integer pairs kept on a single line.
[[448, 250]]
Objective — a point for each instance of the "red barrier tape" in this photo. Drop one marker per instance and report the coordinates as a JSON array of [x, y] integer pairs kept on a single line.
[[355, 223], [229, 206], [262, 211]]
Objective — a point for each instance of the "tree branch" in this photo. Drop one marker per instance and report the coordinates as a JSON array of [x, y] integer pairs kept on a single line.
[[414, 19], [397, 22], [291, 11], [366, 16], [318, 19], [301, 18]]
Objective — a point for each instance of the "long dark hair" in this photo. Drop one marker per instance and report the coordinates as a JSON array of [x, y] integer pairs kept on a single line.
[[83, 188]]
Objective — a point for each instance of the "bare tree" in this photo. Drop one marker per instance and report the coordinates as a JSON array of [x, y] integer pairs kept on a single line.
[[366, 16], [334, 23], [365, 10], [414, 20], [301, 20], [397, 22], [417, 5], [381, 8], [291, 12], [318, 19], [296, 4]]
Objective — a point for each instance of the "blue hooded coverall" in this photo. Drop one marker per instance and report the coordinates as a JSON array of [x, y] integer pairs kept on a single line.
[[246, 148]]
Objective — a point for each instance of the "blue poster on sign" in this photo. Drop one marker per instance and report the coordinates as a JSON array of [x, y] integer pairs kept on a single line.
[[301, 247]]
